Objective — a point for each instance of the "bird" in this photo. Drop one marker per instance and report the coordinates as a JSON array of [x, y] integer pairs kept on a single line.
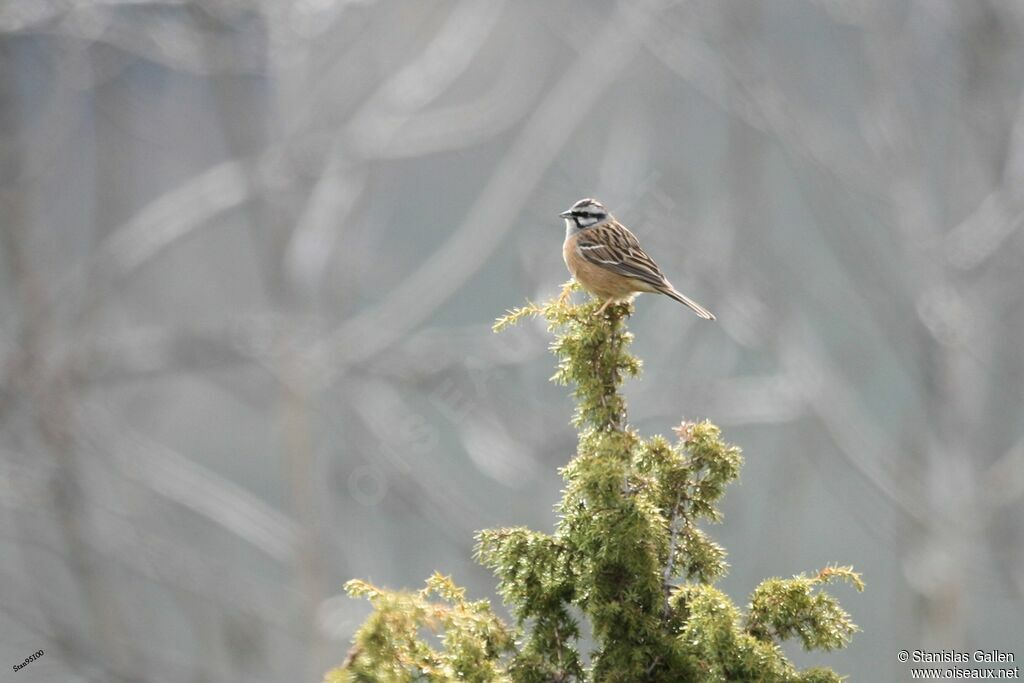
[[607, 260]]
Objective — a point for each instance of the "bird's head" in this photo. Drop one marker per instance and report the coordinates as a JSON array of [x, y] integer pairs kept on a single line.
[[585, 213]]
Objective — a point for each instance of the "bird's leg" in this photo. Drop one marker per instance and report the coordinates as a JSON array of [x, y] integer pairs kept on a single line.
[[606, 304]]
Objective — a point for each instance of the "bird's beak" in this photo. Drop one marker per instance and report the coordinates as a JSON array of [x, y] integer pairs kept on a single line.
[[566, 214]]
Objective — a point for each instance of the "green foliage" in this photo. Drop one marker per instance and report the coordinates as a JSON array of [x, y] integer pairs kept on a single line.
[[783, 608], [627, 555], [391, 646]]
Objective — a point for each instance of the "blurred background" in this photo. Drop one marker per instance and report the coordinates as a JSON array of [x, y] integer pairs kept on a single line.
[[250, 253]]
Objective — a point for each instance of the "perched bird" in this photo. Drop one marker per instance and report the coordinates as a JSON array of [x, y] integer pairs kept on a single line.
[[606, 258]]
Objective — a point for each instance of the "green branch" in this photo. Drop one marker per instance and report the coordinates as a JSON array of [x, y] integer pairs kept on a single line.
[[627, 555]]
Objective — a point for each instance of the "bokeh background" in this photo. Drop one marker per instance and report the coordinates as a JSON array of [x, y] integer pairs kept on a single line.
[[250, 253]]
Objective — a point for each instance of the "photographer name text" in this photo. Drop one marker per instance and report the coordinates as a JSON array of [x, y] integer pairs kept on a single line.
[[989, 656]]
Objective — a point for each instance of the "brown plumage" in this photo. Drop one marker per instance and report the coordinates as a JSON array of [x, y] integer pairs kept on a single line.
[[607, 260]]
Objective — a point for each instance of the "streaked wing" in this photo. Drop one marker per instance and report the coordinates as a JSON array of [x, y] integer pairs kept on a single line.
[[614, 247]]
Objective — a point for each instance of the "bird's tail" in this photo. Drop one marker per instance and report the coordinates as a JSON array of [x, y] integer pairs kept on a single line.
[[687, 301]]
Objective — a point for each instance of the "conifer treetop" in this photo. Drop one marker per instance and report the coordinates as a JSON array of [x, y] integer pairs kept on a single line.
[[628, 557]]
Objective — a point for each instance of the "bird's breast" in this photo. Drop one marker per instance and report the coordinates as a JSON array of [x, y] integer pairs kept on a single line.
[[569, 254]]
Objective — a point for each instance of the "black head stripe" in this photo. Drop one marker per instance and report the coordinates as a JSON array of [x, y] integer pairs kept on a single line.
[[587, 212]]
